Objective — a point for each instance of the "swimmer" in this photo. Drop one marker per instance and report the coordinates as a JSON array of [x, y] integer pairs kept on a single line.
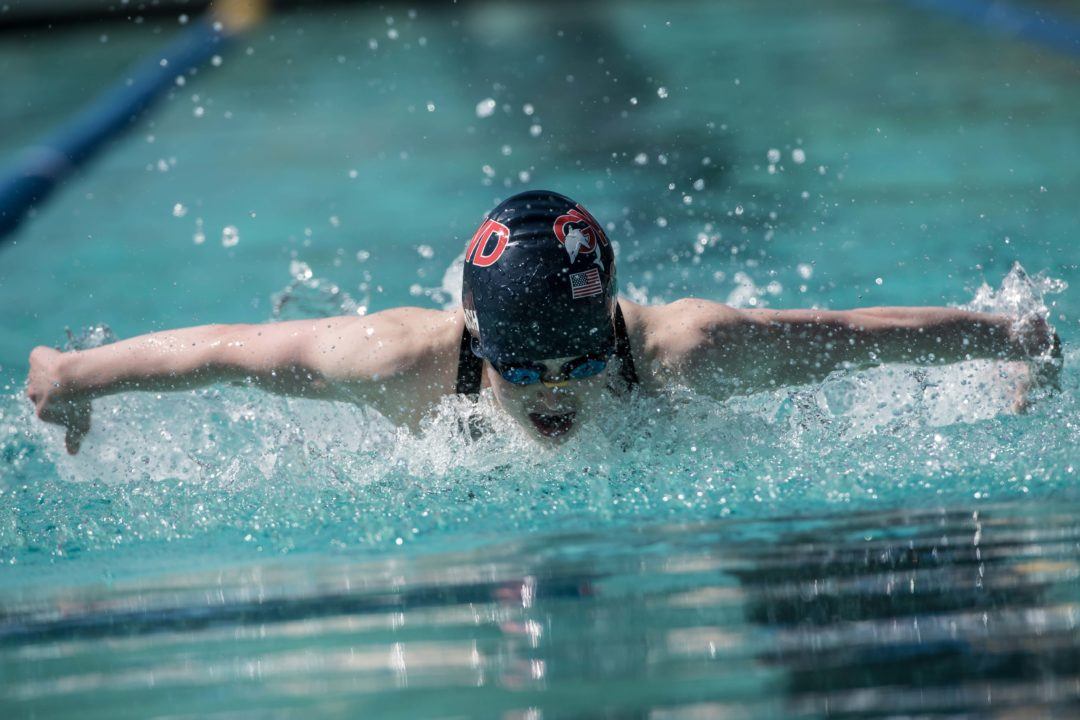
[[541, 326]]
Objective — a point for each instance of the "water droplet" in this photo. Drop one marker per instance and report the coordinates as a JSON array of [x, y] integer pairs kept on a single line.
[[773, 155], [535, 130], [430, 106], [738, 209], [798, 156], [179, 210], [485, 108], [641, 159], [661, 92], [230, 236], [528, 109]]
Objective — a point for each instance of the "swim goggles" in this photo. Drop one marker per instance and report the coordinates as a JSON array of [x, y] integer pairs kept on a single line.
[[529, 373]]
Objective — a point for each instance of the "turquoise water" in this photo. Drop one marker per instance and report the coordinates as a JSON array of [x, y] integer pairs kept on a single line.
[[892, 542]]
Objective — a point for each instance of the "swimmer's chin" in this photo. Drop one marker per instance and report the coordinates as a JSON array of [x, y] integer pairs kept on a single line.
[[555, 427]]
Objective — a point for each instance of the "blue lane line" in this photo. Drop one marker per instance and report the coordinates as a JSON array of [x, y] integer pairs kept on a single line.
[[40, 168], [1038, 26]]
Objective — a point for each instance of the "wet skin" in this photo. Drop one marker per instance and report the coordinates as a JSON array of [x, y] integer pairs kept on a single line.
[[550, 413]]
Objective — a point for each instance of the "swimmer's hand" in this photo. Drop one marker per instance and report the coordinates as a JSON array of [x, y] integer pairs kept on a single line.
[[1035, 341], [55, 400], [1033, 338]]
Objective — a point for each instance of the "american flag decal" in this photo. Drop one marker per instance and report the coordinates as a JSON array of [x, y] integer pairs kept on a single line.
[[585, 284]]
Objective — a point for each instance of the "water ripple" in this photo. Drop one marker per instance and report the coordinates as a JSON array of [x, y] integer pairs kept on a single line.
[[952, 612]]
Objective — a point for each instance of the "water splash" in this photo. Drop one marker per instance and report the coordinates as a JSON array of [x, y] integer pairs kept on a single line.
[[308, 296], [90, 337], [1023, 298]]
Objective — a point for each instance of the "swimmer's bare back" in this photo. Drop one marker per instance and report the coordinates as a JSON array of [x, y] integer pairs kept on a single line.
[[403, 361]]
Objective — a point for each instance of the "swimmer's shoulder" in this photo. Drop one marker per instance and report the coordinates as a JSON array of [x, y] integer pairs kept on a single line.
[[665, 337], [400, 361], [394, 341], [675, 324]]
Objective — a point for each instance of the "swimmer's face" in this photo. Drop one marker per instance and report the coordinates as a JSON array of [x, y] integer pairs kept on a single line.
[[549, 413]]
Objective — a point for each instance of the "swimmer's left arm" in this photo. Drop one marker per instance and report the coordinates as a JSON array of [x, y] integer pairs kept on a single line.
[[762, 348]]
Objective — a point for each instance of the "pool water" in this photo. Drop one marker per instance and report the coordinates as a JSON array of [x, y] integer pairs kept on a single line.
[[894, 542]]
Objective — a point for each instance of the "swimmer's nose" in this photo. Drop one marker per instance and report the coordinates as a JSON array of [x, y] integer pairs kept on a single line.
[[551, 395]]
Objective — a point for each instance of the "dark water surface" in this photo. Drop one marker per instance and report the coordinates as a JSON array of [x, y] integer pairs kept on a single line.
[[945, 613]]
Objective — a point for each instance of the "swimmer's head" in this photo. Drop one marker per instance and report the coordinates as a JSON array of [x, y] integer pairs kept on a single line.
[[539, 281], [539, 299]]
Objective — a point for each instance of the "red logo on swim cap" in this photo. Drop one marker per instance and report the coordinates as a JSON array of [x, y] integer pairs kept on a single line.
[[477, 252], [579, 232]]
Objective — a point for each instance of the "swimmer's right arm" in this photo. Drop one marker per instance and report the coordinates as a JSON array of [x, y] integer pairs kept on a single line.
[[370, 359]]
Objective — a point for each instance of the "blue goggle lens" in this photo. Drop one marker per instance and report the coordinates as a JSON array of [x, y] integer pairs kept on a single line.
[[587, 369], [580, 368], [520, 375]]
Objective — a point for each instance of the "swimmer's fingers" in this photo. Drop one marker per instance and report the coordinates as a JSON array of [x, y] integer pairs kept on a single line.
[[78, 424]]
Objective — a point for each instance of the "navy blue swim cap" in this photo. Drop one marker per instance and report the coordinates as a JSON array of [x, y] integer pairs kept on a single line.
[[539, 281]]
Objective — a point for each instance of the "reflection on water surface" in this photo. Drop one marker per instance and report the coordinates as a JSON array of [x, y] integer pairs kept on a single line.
[[934, 612]]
